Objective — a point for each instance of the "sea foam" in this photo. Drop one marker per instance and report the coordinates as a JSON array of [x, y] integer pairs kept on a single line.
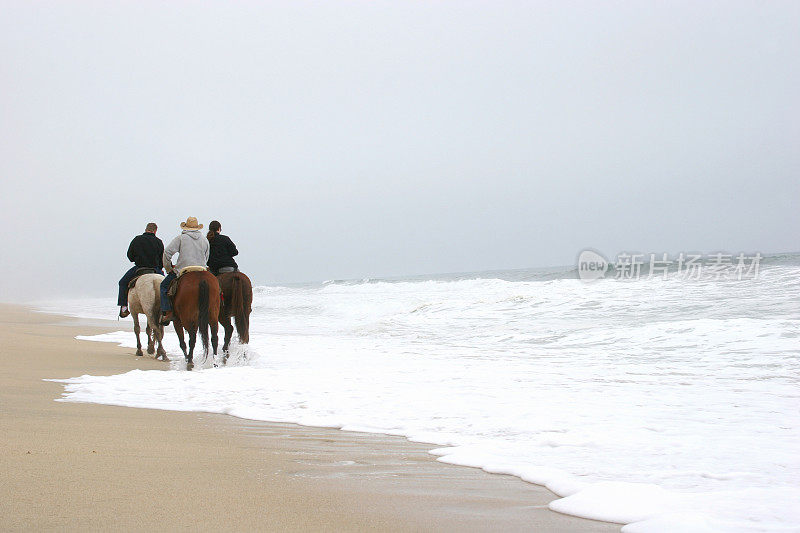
[[667, 405]]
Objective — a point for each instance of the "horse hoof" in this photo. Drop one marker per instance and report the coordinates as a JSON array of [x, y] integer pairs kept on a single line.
[[151, 350], [139, 353]]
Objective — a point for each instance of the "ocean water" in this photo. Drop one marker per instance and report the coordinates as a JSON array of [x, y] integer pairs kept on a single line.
[[663, 404]]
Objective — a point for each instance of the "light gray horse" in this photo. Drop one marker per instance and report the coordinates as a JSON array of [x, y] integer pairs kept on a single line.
[[145, 298]]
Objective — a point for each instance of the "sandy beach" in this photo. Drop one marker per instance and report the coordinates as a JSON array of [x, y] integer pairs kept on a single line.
[[70, 466]]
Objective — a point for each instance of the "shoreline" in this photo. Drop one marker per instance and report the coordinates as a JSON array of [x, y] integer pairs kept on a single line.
[[90, 466]]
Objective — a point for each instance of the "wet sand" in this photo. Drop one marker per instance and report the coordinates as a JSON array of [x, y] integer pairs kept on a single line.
[[69, 466]]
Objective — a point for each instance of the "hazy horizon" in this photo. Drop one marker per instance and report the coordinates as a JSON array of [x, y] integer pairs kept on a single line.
[[379, 139]]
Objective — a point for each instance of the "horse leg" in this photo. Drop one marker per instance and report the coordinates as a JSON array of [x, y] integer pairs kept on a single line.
[[150, 338], [228, 327], [158, 333], [214, 340], [137, 330], [179, 332], [192, 341]]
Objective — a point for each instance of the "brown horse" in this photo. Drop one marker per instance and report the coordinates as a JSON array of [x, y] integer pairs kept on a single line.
[[237, 298], [196, 307]]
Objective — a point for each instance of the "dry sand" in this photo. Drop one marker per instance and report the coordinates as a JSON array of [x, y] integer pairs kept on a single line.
[[68, 466]]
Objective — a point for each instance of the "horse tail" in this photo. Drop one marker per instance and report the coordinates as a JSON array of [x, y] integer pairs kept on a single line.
[[237, 305], [202, 313]]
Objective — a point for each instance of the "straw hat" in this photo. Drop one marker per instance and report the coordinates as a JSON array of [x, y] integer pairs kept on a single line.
[[191, 223]]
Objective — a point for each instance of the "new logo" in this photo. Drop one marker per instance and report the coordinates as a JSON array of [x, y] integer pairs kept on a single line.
[[591, 265]]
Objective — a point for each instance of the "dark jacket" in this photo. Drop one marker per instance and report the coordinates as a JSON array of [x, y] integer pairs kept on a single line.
[[146, 251], [222, 253]]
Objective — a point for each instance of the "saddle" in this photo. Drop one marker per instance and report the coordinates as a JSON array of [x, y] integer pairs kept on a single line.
[[192, 268], [140, 272], [173, 286]]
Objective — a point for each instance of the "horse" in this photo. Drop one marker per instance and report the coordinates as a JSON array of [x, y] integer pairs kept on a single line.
[[237, 298], [196, 307], [144, 297]]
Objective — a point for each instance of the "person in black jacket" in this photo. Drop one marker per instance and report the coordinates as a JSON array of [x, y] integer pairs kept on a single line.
[[145, 251], [220, 258]]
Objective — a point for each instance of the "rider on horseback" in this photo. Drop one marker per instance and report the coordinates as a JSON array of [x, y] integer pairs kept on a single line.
[[145, 251], [220, 259], [192, 250]]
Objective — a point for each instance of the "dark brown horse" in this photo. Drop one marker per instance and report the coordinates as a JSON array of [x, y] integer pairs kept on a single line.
[[196, 307], [237, 298]]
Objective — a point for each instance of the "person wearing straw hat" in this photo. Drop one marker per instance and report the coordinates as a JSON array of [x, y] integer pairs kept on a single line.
[[192, 248]]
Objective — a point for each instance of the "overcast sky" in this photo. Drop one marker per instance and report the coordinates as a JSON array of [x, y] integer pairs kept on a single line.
[[354, 139]]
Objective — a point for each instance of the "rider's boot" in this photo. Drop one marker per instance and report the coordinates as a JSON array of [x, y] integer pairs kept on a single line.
[[123, 311], [166, 318]]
